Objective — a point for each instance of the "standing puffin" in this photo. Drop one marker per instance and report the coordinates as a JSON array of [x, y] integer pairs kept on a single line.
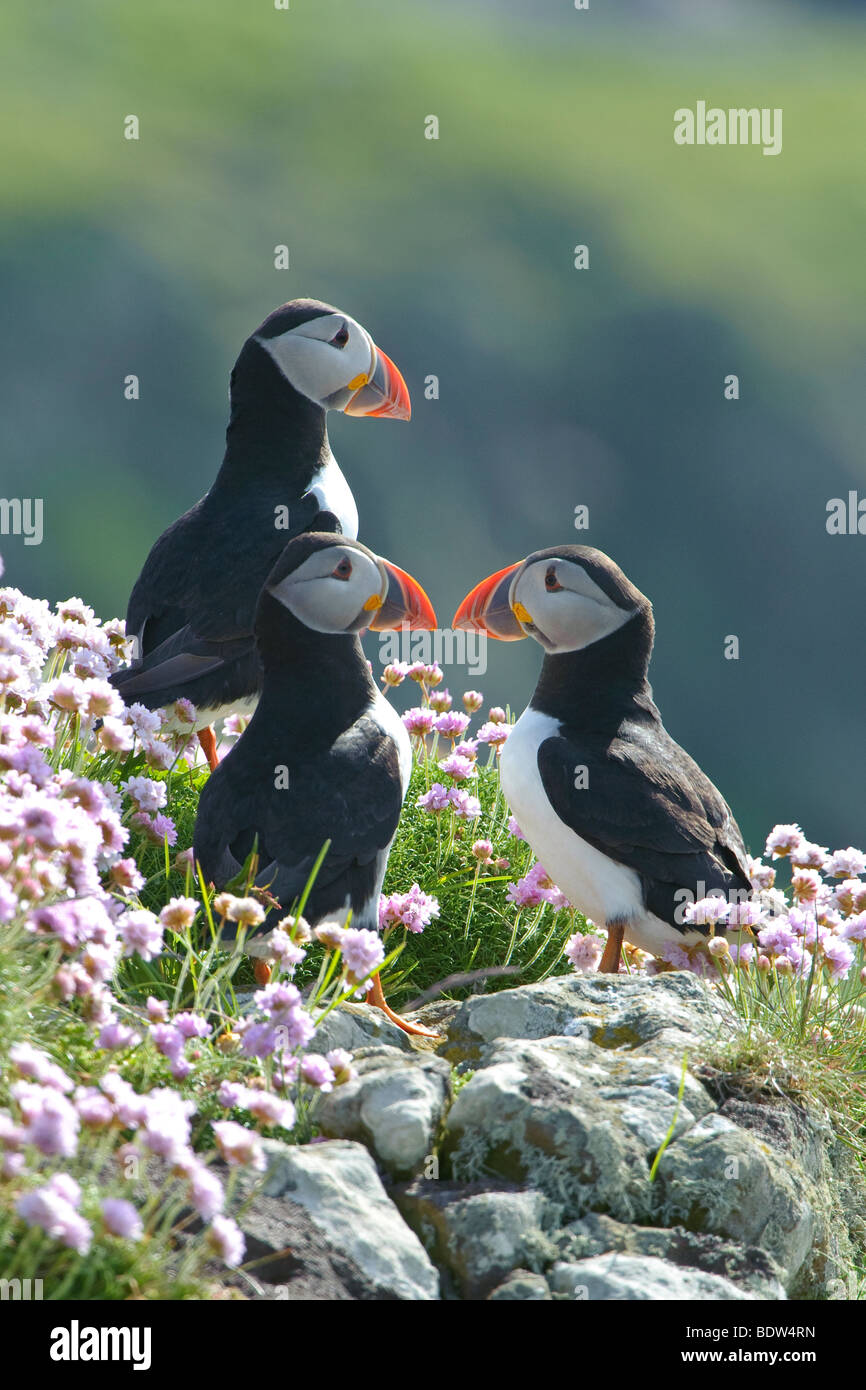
[[325, 756], [191, 610], [621, 817]]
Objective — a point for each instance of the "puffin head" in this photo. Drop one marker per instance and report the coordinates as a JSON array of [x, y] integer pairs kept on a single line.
[[567, 598], [331, 584], [328, 358]]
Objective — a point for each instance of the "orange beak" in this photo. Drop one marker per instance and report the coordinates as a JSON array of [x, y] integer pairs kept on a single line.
[[384, 393], [405, 603], [486, 608]]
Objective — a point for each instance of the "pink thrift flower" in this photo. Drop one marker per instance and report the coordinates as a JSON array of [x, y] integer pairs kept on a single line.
[[584, 952], [434, 801], [846, 863], [226, 1239], [238, 1146], [783, 839], [419, 721], [121, 1218]]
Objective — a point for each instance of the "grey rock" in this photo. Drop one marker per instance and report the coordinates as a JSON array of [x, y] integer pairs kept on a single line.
[[577, 1121], [336, 1184], [747, 1266], [522, 1285], [724, 1179], [358, 1025], [639, 1278], [612, 1011], [394, 1106], [479, 1236]]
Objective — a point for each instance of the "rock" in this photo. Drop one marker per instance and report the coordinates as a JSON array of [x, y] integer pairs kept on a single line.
[[358, 1025], [294, 1259], [612, 1011], [479, 1236], [579, 1122], [394, 1106], [639, 1277], [724, 1179], [336, 1185], [748, 1267], [524, 1286]]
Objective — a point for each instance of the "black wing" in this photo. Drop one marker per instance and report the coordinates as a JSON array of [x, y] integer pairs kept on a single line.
[[350, 794], [648, 805], [192, 609]]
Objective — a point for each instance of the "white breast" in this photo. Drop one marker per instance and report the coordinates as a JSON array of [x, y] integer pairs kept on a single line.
[[390, 723], [600, 888], [335, 495]]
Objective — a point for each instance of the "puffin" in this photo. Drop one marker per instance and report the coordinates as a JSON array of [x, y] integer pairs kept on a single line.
[[192, 607], [619, 814], [325, 757]]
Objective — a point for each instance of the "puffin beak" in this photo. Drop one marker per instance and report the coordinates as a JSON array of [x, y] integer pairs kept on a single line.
[[405, 602], [382, 392], [486, 608]]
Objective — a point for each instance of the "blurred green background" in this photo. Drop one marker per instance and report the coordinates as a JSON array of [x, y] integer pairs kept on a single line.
[[558, 387]]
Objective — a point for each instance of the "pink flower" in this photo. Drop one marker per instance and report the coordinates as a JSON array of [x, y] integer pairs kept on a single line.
[[805, 884], [121, 1218], [419, 721], [51, 1121], [317, 1072], [458, 767], [115, 1036], [707, 911], [846, 863], [226, 1238], [205, 1191], [414, 910], [238, 1146], [56, 1216], [809, 856], [395, 673], [495, 732], [30, 1062], [179, 913], [472, 700], [363, 953], [125, 876], [783, 839], [466, 807], [441, 701], [141, 933], [340, 1062], [146, 794], [434, 801], [452, 724], [584, 952]]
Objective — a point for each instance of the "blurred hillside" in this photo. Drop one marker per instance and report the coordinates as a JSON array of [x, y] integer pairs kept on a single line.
[[558, 387]]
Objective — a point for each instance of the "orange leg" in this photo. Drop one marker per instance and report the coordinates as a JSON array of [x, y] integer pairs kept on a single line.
[[207, 739], [262, 971], [612, 951], [376, 997]]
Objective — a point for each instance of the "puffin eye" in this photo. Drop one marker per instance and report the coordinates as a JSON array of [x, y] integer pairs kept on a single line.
[[340, 339], [551, 583], [343, 570]]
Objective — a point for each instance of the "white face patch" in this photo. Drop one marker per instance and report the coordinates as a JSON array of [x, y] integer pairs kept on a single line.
[[568, 609], [321, 357], [327, 593]]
